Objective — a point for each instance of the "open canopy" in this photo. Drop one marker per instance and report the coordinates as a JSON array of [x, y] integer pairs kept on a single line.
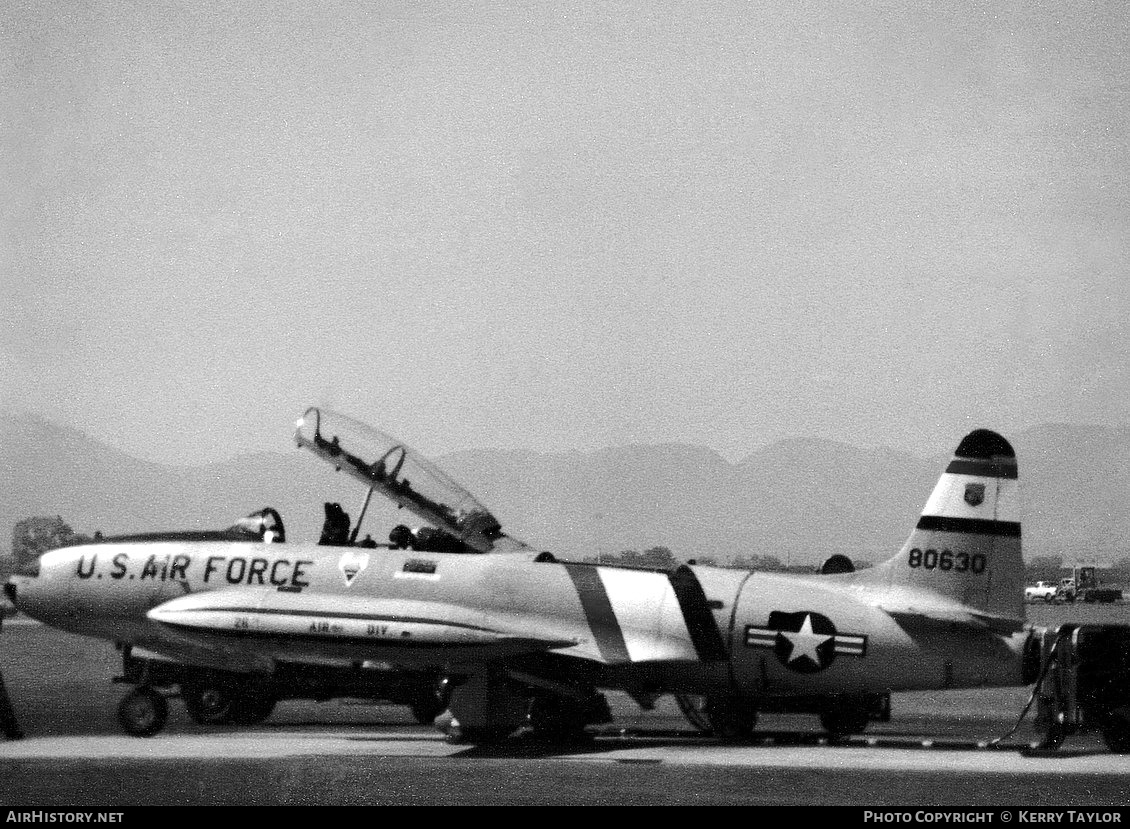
[[386, 465]]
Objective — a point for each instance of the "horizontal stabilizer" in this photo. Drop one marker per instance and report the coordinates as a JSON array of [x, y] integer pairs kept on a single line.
[[911, 618]]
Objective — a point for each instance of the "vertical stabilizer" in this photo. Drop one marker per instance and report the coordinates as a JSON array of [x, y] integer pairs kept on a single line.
[[966, 545]]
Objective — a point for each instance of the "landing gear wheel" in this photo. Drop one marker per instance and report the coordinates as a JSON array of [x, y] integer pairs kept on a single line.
[[208, 704], [732, 719], [458, 735], [143, 712], [843, 722], [556, 718], [426, 707], [252, 708]]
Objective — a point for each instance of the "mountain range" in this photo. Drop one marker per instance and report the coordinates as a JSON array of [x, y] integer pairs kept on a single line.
[[799, 500]]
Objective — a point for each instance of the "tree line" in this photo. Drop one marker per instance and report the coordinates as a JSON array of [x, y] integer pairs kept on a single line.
[[32, 537]]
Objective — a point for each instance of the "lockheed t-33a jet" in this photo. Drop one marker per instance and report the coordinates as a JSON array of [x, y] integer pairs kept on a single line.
[[519, 638]]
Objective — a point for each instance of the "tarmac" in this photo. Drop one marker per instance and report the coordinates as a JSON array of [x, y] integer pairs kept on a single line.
[[938, 750], [307, 763]]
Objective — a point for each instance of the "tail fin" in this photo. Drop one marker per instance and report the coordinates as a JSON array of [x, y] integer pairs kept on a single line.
[[966, 546]]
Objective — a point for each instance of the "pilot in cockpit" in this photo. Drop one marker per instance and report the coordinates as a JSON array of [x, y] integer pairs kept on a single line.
[[401, 537], [266, 525], [335, 529]]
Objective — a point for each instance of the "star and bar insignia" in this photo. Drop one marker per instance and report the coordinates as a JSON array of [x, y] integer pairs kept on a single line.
[[805, 642]]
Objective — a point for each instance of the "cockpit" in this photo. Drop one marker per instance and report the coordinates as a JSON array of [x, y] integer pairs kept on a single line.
[[265, 525], [385, 465]]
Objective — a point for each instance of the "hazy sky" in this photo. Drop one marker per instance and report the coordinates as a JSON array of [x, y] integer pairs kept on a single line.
[[555, 226]]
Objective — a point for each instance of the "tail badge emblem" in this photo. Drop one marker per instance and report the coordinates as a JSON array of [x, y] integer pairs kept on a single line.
[[974, 494]]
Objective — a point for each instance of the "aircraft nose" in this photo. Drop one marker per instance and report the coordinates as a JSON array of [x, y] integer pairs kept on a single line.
[[24, 572], [29, 590]]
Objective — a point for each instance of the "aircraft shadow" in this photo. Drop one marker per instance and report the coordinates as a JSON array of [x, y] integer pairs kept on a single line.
[[528, 746], [603, 741]]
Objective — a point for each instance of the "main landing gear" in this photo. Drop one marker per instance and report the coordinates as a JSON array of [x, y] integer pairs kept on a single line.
[[561, 718], [143, 711], [734, 718], [731, 718], [209, 702], [426, 706], [488, 707], [844, 719]]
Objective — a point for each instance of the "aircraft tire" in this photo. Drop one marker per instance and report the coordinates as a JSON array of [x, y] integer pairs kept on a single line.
[[458, 735], [556, 718], [207, 704], [143, 712], [845, 721], [732, 720], [426, 707], [252, 708]]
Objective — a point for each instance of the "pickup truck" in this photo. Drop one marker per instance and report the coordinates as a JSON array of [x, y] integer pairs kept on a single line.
[[1043, 591]]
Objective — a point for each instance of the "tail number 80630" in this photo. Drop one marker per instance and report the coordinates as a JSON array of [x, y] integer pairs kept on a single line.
[[946, 560]]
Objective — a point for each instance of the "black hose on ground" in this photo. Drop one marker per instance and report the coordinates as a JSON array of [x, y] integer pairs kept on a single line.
[[1052, 656]]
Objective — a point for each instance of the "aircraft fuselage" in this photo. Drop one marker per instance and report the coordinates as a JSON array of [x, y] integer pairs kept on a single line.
[[699, 630]]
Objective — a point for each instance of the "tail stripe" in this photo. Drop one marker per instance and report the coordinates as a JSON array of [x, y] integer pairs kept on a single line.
[[978, 526], [707, 639], [599, 613], [1005, 468]]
